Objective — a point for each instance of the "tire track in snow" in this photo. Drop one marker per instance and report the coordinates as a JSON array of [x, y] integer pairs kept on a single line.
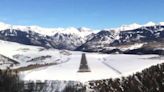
[[117, 71]]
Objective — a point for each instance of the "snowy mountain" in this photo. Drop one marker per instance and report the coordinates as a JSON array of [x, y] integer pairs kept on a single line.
[[60, 38], [121, 40], [84, 39]]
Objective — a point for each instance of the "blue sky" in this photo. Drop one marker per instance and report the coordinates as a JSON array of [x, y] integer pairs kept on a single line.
[[95, 14]]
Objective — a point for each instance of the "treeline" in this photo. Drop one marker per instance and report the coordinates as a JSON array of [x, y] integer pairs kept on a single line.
[[11, 82], [149, 80]]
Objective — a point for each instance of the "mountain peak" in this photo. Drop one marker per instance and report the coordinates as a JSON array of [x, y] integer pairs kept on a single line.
[[127, 27], [130, 27], [161, 23], [4, 26], [150, 24], [135, 26]]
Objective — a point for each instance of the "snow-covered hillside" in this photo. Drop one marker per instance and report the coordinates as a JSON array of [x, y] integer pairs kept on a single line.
[[27, 55], [6, 62]]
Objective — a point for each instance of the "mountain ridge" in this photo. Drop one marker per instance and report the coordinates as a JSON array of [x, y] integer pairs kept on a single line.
[[84, 39]]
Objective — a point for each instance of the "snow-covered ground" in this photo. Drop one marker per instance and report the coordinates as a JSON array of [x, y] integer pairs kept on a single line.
[[126, 64], [102, 66], [26, 55]]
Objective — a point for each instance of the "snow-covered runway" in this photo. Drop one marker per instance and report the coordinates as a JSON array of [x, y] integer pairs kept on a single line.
[[126, 64]]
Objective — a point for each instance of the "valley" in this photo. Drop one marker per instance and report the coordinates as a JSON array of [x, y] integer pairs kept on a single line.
[[63, 65], [53, 57]]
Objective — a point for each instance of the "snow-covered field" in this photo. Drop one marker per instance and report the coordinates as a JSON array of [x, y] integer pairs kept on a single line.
[[102, 66], [126, 64], [26, 55]]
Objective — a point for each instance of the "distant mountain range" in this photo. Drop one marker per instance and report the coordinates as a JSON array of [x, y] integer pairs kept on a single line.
[[128, 39]]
